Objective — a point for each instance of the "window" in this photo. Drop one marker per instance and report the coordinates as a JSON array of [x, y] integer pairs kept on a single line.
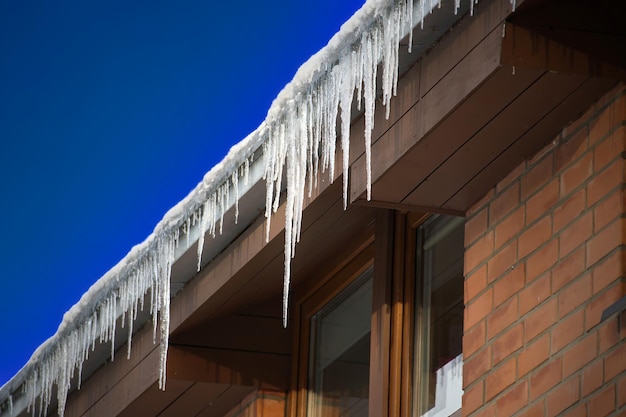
[[381, 332], [339, 353], [439, 317]]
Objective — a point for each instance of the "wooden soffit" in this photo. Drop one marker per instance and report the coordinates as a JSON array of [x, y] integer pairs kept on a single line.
[[494, 91]]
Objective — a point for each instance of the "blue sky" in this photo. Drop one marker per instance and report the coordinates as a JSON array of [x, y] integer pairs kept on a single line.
[[110, 113]]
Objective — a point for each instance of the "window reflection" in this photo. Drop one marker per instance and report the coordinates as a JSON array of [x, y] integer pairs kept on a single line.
[[439, 331], [340, 352]]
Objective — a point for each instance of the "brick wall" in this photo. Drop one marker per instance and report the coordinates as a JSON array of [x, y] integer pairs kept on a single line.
[[544, 257]]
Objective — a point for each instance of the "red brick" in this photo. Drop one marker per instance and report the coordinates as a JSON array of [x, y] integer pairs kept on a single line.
[[575, 294], [580, 354], [610, 148], [513, 401], [542, 260], [488, 411], [476, 226], [608, 271], [569, 268], [578, 410], [581, 123], [513, 175], [621, 391], [593, 375], [477, 366], [535, 236], [545, 378], [502, 261], [500, 379], [482, 202], [604, 242], [566, 330], [502, 317], [593, 310], [576, 174], [540, 319], [563, 396], [548, 150], [608, 209], [602, 404], [508, 285], [606, 121], [507, 343], [510, 226], [571, 149], [575, 234], [570, 208], [534, 293], [537, 176], [473, 339], [615, 363], [475, 283], [478, 309], [478, 252], [504, 203], [473, 398], [608, 333], [535, 354], [535, 410], [540, 203], [605, 181]]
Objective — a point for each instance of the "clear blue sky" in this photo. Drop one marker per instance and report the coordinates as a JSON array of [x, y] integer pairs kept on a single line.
[[110, 113]]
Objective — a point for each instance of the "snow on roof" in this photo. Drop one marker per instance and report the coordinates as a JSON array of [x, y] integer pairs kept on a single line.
[[297, 139]]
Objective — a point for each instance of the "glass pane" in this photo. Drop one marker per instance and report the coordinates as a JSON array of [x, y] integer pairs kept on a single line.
[[440, 317], [340, 353]]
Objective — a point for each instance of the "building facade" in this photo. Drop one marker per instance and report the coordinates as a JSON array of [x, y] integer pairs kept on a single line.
[[483, 278]]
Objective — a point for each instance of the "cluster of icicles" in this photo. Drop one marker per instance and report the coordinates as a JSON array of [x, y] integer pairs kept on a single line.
[[298, 140]]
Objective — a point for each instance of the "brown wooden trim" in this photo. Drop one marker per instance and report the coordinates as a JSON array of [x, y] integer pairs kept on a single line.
[[523, 47], [381, 331], [397, 316], [331, 281]]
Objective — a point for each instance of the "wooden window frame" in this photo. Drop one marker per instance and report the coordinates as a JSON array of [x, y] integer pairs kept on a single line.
[[328, 287], [392, 253]]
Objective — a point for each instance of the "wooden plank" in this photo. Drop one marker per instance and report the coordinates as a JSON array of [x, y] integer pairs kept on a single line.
[[532, 141], [527, 48], [428, 113], [225, 366], [134, 384], [508, 125], [239, 332], [110, 374], [436, 66], [153, 401], [191, 402]]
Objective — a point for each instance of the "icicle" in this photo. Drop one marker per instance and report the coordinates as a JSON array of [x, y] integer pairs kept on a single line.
[[235, 180], [410, 10]]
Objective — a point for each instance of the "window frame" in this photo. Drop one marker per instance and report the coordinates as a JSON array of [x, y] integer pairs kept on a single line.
[[392, 252], [329, 286]]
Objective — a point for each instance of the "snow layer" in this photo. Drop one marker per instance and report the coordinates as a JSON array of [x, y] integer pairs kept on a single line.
[[298, 140]]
